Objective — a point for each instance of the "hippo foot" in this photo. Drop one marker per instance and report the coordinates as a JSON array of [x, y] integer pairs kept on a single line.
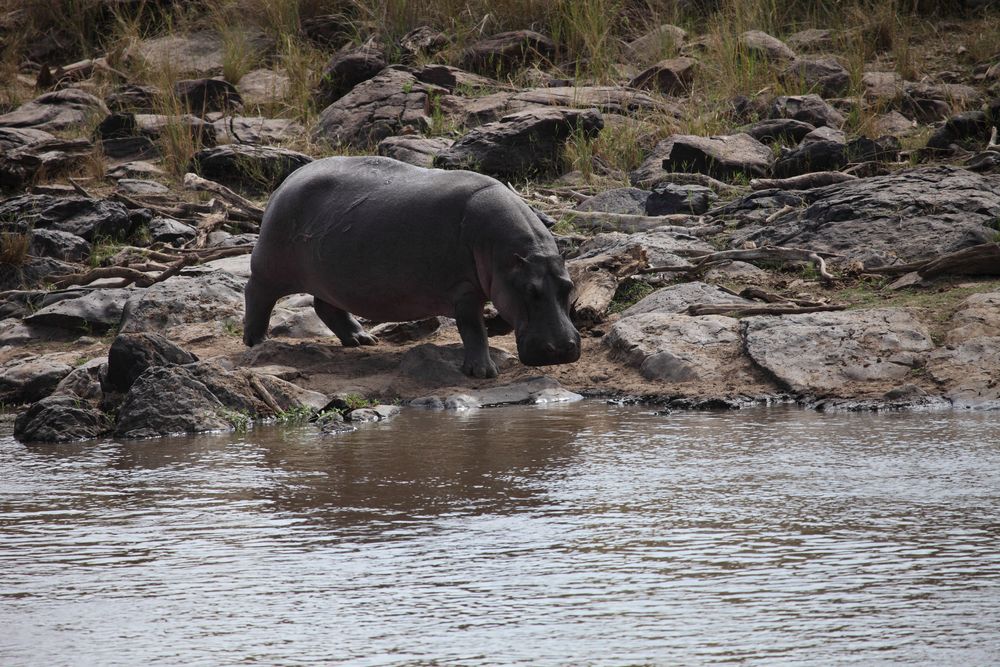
[[480, 368], [359, 338]]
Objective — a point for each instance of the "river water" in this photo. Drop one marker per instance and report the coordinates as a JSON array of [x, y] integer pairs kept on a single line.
[[564, 535]]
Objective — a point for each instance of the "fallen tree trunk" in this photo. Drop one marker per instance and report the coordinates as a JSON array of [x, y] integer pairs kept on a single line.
[[707, 260], [978, 260], [816, 179], [195, 182], [599, 221], [741, 309], [130, 275], [596, 281]]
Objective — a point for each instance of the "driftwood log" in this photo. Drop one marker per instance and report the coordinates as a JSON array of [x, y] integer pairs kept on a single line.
[[703, 261], [741, 309], [978, 260], [596, 281], [804, 182], [598, 221]]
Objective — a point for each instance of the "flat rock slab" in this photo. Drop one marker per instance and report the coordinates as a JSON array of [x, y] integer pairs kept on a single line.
[[253, 168], [846, 353], [256, 130], [720, 157], [678, 349], [59, 110], [85, 217], [216, 297], [970, 372], [660, 246], [436, 365], [94, 312], [977, 316], [414, 149], [30, 379], [677, 299], [907, 216], [533, 391]]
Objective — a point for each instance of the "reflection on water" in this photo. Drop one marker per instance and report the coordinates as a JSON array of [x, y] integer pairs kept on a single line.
[[581, 534]]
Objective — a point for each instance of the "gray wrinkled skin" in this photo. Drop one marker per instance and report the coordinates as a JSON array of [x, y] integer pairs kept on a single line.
[[392, 242]]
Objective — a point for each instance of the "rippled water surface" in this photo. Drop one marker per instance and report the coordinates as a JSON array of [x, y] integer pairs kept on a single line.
[[581, 534]]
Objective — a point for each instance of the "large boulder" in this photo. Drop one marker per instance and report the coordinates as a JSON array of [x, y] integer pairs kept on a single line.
[[522, 143], [61, 418], [29, 379], [506, 51], [414, 148], [347, 68], [132, 353], [85, 217], [811, 109], [824, 76], [216, 297], [907, 216], [842, 354], [256, 130], [678, 298], [95, 312], [59, 110], [253, 168], [721, 157]]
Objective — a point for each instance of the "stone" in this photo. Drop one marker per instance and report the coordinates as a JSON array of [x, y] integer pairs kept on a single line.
[[772, 130], [256, 130], [141, 187], [930, 102], [168, 230], [33, 272], [60, 418], [969, 130], [297, 323], [414, 148], [19, 137], [201, 96], [968, 372], [824, 76], [677, 299], [523, 143], [132, 353], [721, 157], [506, 51], [132, 98], [216, 297], [347, 68], [84, 381], [811, 40], [669, 198], [251, 168], [198, 53], [844, 353], [391, 103], [376, 413], [29, 379], [892, 123], [652, 167], [978, 316], [453, 78], [85, 217], [135, 169], [907, 216], [882, 86], [628, 201], [406, 332], [263, 87], [761, 45], [51, 158], [97, 311], [660, 246], [60, 245], [664, 40], [59, 110], [810, 109], [670, 77]]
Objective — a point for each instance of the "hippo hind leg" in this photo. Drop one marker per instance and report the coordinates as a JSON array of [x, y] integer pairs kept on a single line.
[[343, 324], [259, 300]]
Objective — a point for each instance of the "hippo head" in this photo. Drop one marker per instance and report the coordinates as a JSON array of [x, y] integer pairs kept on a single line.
[[533, 295]]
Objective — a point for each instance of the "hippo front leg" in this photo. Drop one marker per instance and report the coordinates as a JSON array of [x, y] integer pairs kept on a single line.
[[472, 329]]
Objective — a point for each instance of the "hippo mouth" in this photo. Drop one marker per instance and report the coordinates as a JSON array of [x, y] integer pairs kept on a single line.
[[549, 353]]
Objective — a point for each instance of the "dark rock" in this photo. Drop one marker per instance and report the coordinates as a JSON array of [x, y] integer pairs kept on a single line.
[[151, 127], [19, 137], [35, 271], [168, 230], [60, 245], [824, 76], [522, 143], [256, 130], [132, 98], [507, 51], [216, 297], [130, 148], [414, 148], [451, 78], [763, 46], [60, 418], [811, 156], [30, 379], [720, 157], [381, 107], [51, 158], [406, 332], [253, 168], [907, 216], [59, 110], [652, 167], [667, 198], [85, 217], [347, 68], [94, 312], [629, 201], [778, 129], [201, 96], [807, 108], [670, 77], [967, 131]]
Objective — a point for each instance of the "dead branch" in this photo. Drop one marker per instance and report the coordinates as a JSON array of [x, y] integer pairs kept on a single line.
[[787, 208], [80, 190], [742, 310], [681, 178], [978, 260], [992, 145], [707, 260], [758, 294], [622, 222], [125, 273], [804, 182], [195, 182], [596, 280]]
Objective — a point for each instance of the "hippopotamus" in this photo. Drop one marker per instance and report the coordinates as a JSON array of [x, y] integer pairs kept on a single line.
[[393, 242]]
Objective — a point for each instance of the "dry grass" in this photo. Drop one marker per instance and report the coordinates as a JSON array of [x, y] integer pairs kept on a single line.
[[14, 247]]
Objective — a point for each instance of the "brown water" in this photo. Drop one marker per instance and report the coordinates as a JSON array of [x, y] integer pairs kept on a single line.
[[565, 535]]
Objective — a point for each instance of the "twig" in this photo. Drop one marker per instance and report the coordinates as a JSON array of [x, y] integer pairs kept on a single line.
[[621, 222], [787, 208], [195, 182], [80, 189]]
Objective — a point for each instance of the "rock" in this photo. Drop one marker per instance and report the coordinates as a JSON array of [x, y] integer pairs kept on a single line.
[[84, 382], [676, 348], [262, 87], [652, 167], [423, 40], [811, 40], [168, 230], [256, 130], [34, 271], [406, 332], [135, 186], [882, 86], [52, 158], [978, 316], [677, 299], [434, 365], [606, 99], [19, 137], [59, 110], [414, 148], [628, 201], [721, 157], [659, 246], [200, 53], [381, 107], [94, 312], [132, 98], [373, 414], [452, 78], [60, 418], [892, 123], [908, 216], [771, 130], [522, 143], [136, 169], [149, 127], [252, 168], [664, 40], [932, 102], [968, 371], [806, 108], [668, 198], [824, 76], [347, 68], [670, 77], [965, 131], [60, 245], [533, 391], [82, 216], [506, 51], [845, 353], [761, 45], [201, 96], [216, 297], [132, 353], [29, 379], [823, 149]]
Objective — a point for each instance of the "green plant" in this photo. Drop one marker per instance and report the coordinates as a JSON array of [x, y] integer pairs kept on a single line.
[[292, 416], [233, 328], [102, 249], [240, 420], [628, 293]]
